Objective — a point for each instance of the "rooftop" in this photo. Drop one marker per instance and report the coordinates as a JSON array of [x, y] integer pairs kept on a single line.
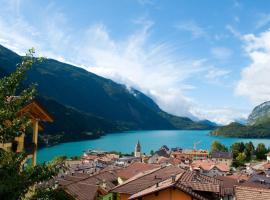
[[251, 193], [161, 178], [135, 168], [208, 165], [220, 154]]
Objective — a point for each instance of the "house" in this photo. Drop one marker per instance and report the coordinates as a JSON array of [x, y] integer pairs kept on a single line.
[[228, 184], [157, 155], [169, 183], [166, 148], [85, 187], [134, 169], [251, 193], [261, 167], [210, 168], [256, 180], [127, 160], [268, 157], [36, 113], [191, 154], [222, 157]]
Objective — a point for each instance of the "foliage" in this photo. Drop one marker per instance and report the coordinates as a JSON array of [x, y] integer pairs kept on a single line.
[[240, 159], [234, 129], [236, 148], [51, 194], [16, 180], [12, 125], [217, 146], [249, 150], [261, 151]]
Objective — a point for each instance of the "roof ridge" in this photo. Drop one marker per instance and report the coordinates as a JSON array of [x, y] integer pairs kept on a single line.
[[83, 179], [162, 187], [133, 178]]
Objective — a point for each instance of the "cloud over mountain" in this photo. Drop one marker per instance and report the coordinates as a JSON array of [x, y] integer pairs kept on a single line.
[[255, 80]]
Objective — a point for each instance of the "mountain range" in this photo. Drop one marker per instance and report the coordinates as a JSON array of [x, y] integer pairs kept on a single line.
[[258, 125], [85, 105]]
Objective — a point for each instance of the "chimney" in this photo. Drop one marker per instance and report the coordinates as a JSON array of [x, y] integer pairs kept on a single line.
[[104, 184], [157, 184], [173, 178]]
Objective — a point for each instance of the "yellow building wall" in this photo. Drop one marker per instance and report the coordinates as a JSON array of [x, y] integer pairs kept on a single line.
[[167, 194], [124, 196]]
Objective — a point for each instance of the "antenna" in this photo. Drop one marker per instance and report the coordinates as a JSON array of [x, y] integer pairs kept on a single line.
[[195, 144]]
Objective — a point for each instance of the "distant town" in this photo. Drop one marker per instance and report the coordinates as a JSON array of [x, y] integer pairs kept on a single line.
[[169, 174]]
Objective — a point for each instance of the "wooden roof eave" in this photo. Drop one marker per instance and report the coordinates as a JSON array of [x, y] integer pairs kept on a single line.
[[36, 111]]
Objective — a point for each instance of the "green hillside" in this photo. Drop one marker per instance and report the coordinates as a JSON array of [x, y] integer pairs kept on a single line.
[[258, 125], [86, 105]]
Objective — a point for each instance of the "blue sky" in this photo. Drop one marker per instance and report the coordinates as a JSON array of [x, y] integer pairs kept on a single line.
[[207, 59]]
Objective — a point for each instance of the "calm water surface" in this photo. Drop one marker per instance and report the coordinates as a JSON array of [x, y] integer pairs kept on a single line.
[[150, 140]]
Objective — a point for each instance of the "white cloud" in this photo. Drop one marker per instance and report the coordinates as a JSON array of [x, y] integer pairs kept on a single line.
[[154, 68], [193, 28], [233, 31], [263, 21], [222, 53], [224, 115], [146, 2], [217, 73], [236, 19], [255, 80]]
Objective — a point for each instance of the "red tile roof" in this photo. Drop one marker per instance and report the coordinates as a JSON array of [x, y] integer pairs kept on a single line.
[[84, 187], [251, 193], [207, 165], [145, 180], [189, 182], [134, 169], [195, 185]]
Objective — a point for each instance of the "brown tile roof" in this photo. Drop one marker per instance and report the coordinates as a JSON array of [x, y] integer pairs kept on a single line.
[[145, 180], [166, 184], [134, 169], [82, 191], [251, 193], [228, 184], [191, 183], [82, 186], [154, 188], [200, 182], [209, 164]]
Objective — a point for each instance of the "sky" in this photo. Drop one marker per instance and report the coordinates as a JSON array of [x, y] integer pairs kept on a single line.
[[202, 59]]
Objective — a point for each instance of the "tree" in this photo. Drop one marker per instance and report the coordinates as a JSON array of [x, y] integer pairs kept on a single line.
[[217, 146], [12, 125], [236, 148], [261, 151], [15, 180], [249, 150], [152, 152], [240, 159]]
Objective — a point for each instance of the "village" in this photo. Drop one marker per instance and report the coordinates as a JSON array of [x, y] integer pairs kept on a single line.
[[239, 173], [166, 174]]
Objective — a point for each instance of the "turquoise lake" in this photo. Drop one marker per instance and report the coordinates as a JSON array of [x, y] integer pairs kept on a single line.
[[150, 140]]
